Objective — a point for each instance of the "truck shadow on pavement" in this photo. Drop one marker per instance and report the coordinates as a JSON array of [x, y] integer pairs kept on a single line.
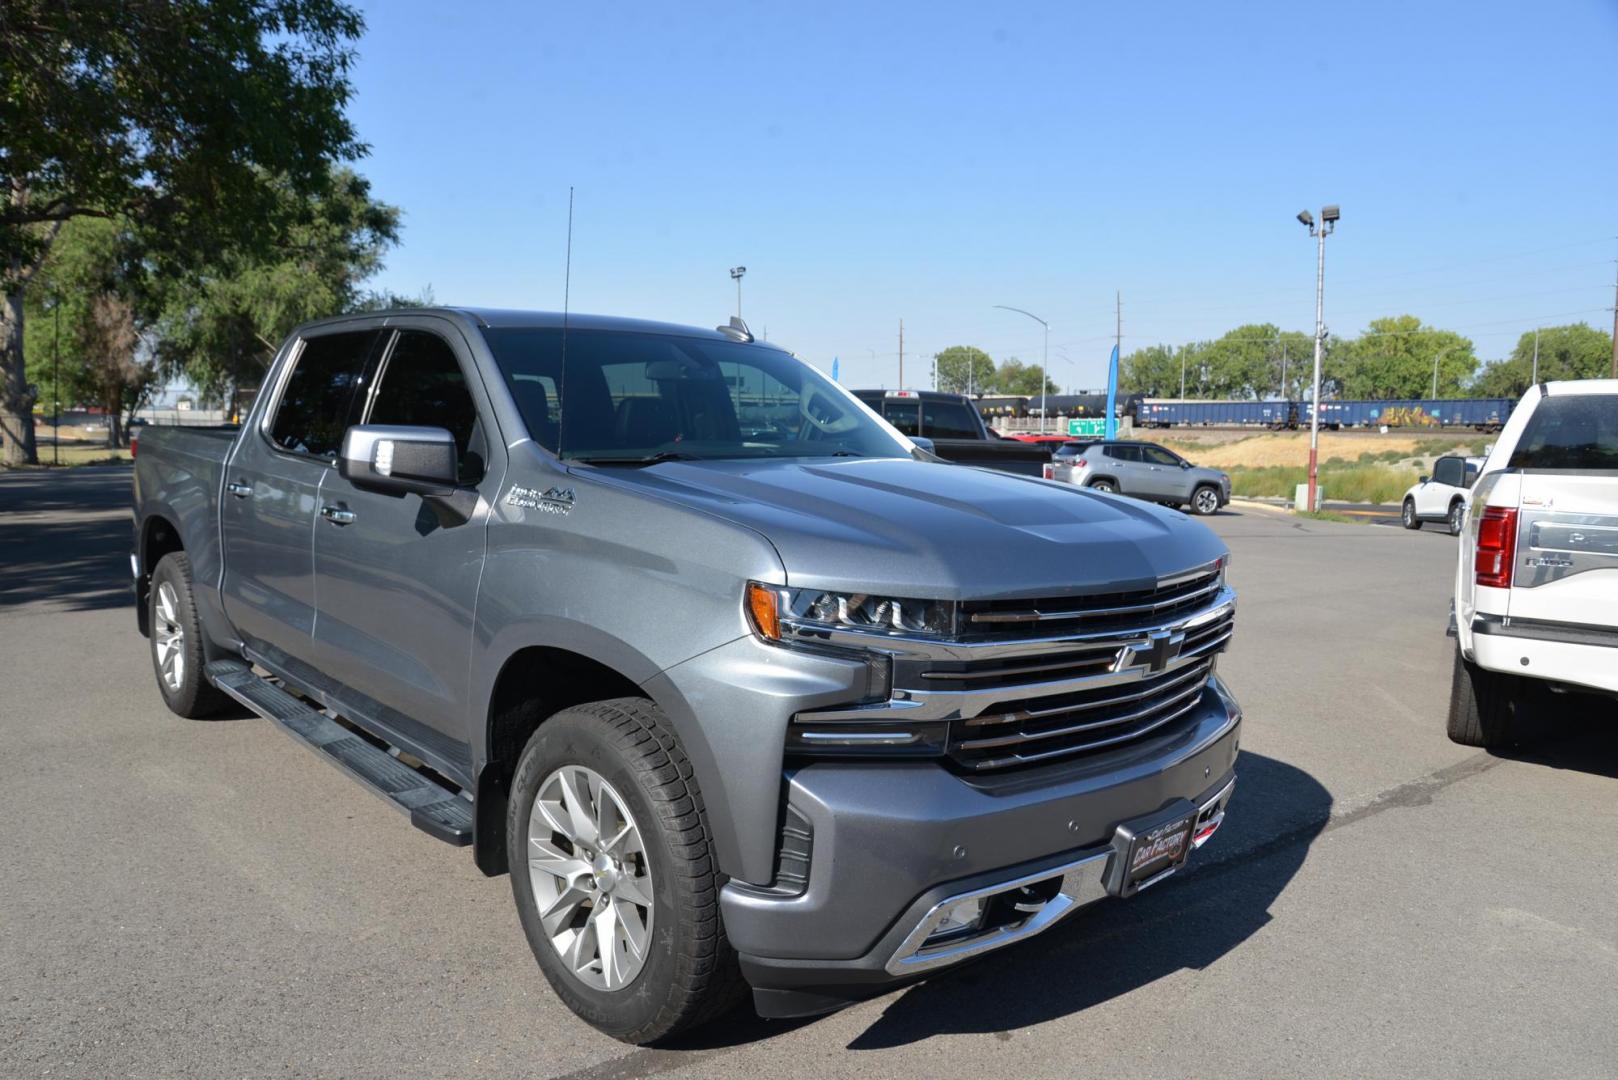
[[1585, 740], [1104, 952], [64, 538]]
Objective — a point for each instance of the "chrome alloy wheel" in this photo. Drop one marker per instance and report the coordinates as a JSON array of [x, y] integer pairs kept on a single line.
[[1207, 500], [591, 877], [168, 637]]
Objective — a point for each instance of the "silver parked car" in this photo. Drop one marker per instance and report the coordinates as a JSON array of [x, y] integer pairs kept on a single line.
[[1143, 470]]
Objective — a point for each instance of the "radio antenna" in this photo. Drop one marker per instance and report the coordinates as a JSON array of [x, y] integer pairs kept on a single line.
[[567, 286]]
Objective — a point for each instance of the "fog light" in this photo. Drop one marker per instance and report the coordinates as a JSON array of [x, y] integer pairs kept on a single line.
[[958, 918]]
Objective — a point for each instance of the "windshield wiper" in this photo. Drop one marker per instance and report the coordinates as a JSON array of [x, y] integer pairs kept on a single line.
[[648, 459]]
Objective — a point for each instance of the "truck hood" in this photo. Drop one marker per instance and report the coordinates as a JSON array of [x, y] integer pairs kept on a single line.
[[934, 531]]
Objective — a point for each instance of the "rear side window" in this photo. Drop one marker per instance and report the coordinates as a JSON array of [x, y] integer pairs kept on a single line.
[[1570, 432], [422, 385], [902, 415], [1123, 453], [322, 392], [948, 420]]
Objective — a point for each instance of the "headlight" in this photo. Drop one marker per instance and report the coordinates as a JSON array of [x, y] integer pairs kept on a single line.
[[775, 612]]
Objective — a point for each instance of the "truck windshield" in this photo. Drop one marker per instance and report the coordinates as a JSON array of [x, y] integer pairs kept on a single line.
[[1576, 431], [639, 398]]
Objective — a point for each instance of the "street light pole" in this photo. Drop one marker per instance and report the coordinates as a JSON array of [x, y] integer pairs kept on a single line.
[[736, 273], [1328, 221], [1044, 357]]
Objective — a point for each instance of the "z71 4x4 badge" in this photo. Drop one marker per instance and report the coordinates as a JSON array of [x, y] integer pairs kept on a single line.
[[556, 500]]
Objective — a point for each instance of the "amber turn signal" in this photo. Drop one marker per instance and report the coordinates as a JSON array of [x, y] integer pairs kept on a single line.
[[764, 611]]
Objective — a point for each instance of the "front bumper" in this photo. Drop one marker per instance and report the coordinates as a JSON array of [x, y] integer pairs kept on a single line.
[[894, 845]]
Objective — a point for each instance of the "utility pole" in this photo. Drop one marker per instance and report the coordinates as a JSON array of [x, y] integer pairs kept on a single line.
[[901, 354], [56, 382], [1283, 370], [1535, 379], [1614, 372], [1118, 341], [1182, 373]]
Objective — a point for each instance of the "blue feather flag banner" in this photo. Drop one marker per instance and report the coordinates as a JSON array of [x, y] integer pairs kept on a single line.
[[834, 366], [1112, 395]]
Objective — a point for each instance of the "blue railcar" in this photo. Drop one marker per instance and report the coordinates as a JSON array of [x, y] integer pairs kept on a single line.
[[1484, 414], [1174, 412]]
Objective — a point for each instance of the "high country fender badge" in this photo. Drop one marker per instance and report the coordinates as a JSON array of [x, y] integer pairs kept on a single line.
[[556, 500]]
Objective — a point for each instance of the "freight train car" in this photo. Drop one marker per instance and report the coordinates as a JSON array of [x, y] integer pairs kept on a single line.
[[1178, 412], [1483, 414]]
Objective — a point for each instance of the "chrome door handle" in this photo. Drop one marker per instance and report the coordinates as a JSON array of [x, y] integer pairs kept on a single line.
[[238, 489], [338, 515]]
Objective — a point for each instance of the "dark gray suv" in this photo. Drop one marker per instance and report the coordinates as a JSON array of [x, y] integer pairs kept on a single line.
[[1144, 470]]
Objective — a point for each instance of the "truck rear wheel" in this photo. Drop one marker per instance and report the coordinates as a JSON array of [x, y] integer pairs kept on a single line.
[[1488, 708], [177, 653], [613, 872]]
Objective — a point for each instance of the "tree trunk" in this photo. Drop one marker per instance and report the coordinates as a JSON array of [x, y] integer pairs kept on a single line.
[[16, 403]]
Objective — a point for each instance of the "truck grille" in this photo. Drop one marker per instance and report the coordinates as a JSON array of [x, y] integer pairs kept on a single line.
[[1137, 665], [1001, 619]]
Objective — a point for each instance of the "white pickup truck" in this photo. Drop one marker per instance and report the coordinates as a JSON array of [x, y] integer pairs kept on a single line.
[[1536, 587]]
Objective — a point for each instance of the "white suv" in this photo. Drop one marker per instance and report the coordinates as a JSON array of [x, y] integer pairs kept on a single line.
[[1536, 588], [1444, 495]]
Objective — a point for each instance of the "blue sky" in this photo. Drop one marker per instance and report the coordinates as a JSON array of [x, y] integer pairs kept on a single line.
[[872, 162]]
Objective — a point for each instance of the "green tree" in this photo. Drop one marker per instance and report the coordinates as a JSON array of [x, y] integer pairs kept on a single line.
[[1394, 358], [220, 327], [173, 114], [1020, 380], [963, 368], [1578, 351], [1153, 371], [84, 338]]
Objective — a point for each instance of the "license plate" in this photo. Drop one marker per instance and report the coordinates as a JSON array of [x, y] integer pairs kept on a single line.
[[1149, 849]]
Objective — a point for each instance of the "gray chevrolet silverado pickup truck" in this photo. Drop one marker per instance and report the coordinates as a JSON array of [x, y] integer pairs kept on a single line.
[[740, 688]]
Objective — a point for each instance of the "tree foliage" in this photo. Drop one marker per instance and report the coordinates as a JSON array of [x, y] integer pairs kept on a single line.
[[84, 333], [220, 327], [1395, 358], [1021, 380], [1578, 351], [963, 368], [183, 117]]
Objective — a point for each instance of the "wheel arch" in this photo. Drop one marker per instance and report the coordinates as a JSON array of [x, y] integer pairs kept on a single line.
[[159, 536]]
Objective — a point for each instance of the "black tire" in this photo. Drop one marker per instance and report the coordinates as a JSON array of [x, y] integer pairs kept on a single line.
[[1490, 709], [1408, 515], [1457, 511], [1104, 485], [691, 974], [192, 695], [1205, 500]]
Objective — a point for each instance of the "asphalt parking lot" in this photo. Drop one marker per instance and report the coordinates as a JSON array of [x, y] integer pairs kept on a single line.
[[207, 898]]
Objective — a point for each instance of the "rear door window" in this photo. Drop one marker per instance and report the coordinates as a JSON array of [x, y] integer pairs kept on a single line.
[[948, 420], [1156, 455], [1570, 432], [1124, 453], [321, 398]]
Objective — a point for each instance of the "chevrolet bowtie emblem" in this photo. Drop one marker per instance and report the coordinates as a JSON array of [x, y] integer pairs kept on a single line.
[[1153, 655]]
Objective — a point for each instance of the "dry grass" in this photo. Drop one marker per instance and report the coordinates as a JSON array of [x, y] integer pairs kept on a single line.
[[1291, 448]]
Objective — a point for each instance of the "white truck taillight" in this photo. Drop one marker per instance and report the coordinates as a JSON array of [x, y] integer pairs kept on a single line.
[[1497, 546]]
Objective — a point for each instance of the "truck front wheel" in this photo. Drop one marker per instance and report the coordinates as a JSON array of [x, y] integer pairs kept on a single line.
[[177, 653], [614, 875], [1489, 708]]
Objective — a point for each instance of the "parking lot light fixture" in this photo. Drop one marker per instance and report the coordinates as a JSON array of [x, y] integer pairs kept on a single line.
[[1044, 358], [736, 273], [1328, 222]]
